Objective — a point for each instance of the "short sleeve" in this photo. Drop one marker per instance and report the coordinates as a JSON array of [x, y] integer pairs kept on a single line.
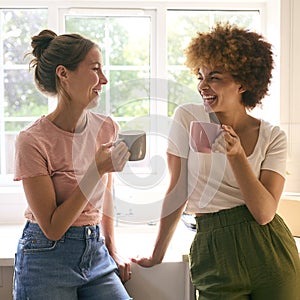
[[178, 141], [29, 161], [276, 155]]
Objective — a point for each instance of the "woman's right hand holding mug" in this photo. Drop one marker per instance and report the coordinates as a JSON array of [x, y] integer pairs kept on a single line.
[[111, 157]]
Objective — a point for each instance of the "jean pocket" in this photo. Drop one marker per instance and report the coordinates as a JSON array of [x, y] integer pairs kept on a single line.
[[37, 243]]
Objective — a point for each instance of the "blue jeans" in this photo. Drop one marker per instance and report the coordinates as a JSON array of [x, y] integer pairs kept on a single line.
[[78, 266]]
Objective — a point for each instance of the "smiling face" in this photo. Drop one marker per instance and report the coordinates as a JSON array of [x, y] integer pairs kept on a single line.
[[219, 90], [84, 84]]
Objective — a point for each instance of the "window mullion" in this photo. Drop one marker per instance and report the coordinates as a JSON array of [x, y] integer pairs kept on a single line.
[[159, 63], [107, 67]]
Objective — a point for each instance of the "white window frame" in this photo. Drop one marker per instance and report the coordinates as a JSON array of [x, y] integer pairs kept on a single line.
[[11, 192]]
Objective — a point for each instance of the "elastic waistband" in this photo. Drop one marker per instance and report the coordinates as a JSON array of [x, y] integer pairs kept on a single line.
[[75, 232], [223, 218]]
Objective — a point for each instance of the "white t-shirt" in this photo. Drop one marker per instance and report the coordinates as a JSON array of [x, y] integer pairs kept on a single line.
[[211, 182]]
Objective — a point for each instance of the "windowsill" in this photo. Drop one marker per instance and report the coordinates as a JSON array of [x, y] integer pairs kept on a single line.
[[9, 235], [132, 240], [136, 240]]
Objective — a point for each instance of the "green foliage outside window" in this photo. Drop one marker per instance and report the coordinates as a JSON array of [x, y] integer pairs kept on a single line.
[[119, 36], [21, 99], [122, 46], [126, 44]]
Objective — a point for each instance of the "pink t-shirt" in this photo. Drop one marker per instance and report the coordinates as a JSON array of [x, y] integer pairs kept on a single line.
[[45, 149]]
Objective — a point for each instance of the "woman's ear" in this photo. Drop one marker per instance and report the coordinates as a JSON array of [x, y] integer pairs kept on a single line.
[[61, 72], [242, 89]]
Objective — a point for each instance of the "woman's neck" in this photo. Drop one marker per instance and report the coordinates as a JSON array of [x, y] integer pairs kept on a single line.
[[240, 122], [68, 119]]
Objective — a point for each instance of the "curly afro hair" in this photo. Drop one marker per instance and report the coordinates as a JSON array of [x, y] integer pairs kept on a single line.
[[240, 52]]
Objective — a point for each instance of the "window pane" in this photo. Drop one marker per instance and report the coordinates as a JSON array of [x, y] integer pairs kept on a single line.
[[129, 93], [248, 19], [20, 101], [125, 45], [90, 27], [181, 27], [131, 46], [182, 88], [18, 25]]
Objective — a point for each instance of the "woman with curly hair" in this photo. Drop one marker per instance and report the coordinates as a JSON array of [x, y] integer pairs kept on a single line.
[[242, 249]]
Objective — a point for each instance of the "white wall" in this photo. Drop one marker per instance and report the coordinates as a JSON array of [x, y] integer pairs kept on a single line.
[[290, 82]]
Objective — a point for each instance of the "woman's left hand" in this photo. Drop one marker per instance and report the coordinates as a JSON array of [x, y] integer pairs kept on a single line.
[[228, 142], [124, 266]]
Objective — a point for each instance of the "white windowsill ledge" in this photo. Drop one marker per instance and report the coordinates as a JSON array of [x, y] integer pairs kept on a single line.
[[132, 240]]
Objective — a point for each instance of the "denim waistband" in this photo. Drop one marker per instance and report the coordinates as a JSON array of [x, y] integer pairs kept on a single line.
[[223, 218], [74, 232]]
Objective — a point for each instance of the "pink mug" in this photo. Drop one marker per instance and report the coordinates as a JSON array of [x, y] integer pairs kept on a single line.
[[203, 135]]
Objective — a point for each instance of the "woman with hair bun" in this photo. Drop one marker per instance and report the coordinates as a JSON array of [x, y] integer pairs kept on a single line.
[[242, 249], [65, 161]]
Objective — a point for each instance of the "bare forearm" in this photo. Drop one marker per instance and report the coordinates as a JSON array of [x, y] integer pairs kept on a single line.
[[173, 205], [167, 226], [107, 226], [107, 222], [56, 220], [261, 203], [107, 229], [67, 213]]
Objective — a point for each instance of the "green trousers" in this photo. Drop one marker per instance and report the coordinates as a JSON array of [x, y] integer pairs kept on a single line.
[[234, 258]]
